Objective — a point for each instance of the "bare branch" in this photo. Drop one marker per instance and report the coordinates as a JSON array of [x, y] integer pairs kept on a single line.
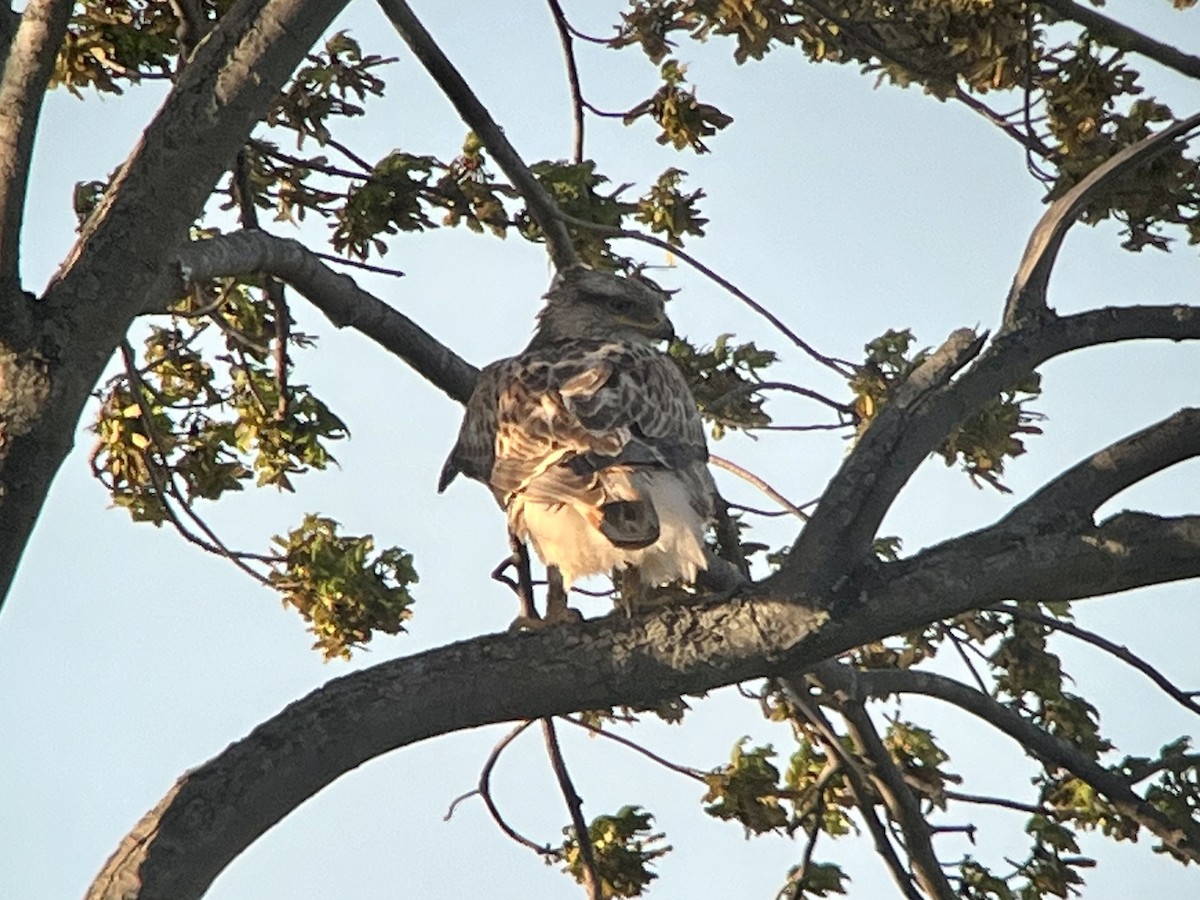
[[746, 475], [1074, 496], [902, 805], [840, 366], [1125, 38], [542, 207], [27, 69], [334, 293], [1124, 654], [859, 782], [565, 38], [1027, 296], [484, 789], [918, 420], [583, 838], [1181, 837]]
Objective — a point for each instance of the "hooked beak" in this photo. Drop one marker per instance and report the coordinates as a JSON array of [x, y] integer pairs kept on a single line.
[[663, 330]]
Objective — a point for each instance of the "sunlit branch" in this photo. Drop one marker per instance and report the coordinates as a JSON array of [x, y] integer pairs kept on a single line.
[[1027, 296], [746, 475], [542, 207], [1075, 495], [1124, 654], [334, 293]]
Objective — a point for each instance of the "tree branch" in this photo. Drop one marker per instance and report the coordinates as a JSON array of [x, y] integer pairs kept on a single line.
[[568, 49], [1074, 496], [897, 797], [27, 69], [334, 293], [918, 420], [1123, 37], [1027, 296], [541, 205], [229, 83], [1183, 838], [216, 810]]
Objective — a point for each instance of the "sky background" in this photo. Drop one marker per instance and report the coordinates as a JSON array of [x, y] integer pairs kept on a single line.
[[128, 656]]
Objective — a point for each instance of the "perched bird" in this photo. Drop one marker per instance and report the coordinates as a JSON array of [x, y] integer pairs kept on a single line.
[[591, 442]]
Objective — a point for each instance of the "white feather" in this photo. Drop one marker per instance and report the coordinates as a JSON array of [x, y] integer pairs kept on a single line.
[[563, 536]]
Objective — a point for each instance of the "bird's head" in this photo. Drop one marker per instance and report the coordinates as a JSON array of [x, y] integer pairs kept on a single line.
[[583, 304]]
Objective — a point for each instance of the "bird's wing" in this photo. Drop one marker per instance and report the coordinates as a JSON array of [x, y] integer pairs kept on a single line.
[[474, 452], [563, 416]]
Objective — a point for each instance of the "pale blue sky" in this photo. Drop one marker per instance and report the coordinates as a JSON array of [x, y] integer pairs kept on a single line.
[[127, 656]]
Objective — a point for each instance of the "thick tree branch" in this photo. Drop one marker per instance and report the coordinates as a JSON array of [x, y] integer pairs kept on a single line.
[[226, 88], [907, 430], [1184, 838], [1027, 296], [218, 809], [334, 293], [27, 69], [541, 205], [1123, 37], [1074, 496]]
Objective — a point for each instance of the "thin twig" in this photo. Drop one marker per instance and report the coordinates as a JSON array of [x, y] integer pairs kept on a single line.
[[583, 838], [957, 644], [1127, 656], [358, 264], [1004, 802], [754, 387], [694, 774], [568, 48], [841, 366], [722, 463], [485, 792]]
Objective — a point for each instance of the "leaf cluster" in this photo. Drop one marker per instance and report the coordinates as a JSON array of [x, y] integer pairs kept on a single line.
[[624, 846], [1079, 101], [724, 379]]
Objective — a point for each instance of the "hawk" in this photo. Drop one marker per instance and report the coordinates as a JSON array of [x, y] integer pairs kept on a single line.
[[591, 442]]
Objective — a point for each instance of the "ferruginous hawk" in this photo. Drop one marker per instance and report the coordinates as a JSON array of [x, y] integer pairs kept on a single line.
[[590, 440]]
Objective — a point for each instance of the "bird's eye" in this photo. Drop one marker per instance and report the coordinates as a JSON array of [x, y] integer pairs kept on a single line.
[[620, 306]]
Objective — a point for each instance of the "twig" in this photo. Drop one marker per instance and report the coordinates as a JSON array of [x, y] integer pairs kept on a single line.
[[485, 793], [568, 48], [583, 838], [1031, 808], [164, 483], [754, 387], [722, 463], [1127, 656], [541, 205], [358, 264], [694, 774], [857, 780], [957, 644], [841, 366]]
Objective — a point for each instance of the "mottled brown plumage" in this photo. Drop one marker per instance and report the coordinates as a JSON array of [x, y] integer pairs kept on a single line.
[[590, 439]]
